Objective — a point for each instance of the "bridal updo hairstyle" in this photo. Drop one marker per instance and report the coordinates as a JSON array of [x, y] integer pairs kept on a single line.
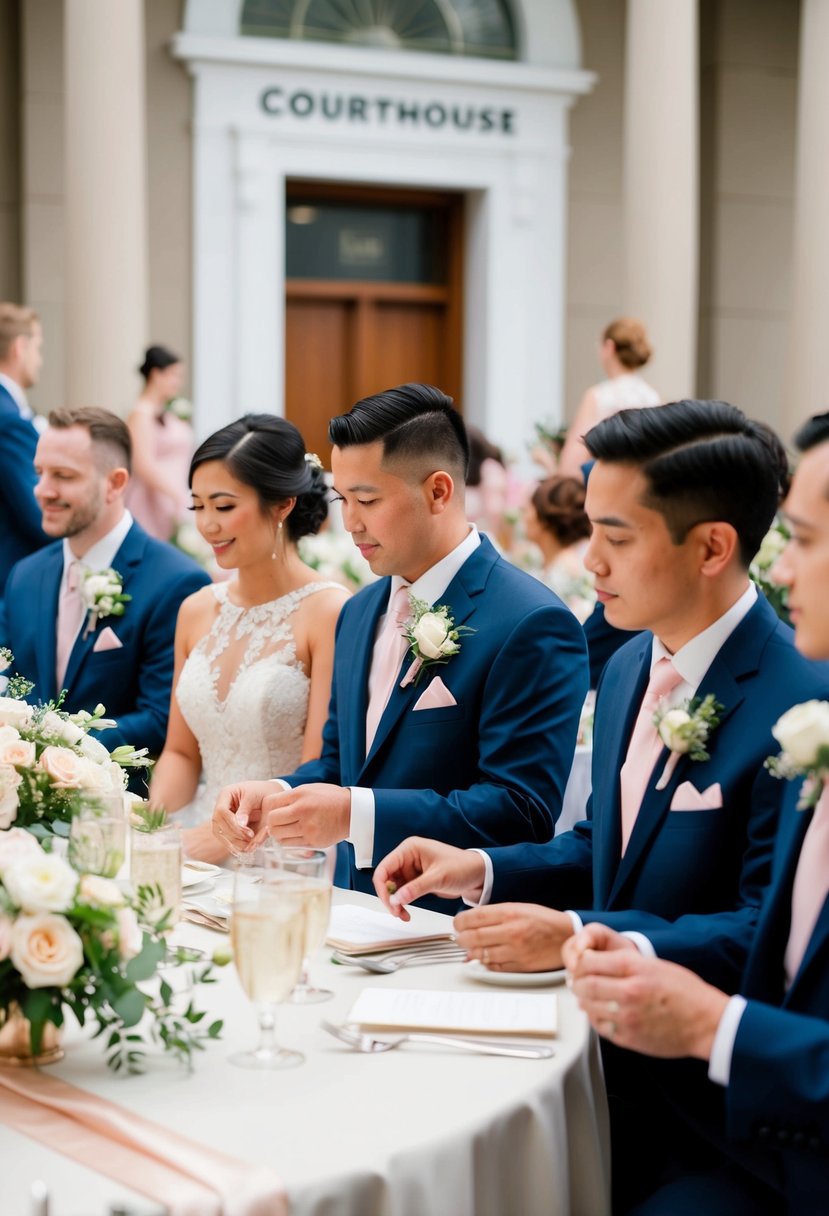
[[628, 336], [157, 359], [268, 454], [559, 505]]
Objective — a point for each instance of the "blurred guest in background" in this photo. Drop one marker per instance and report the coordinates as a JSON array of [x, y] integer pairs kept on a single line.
[[556, 522], [162, 444], [486, 485], [20, 361], [624, 350]]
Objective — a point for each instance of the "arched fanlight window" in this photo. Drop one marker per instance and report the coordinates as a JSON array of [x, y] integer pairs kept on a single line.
[[453, 27]]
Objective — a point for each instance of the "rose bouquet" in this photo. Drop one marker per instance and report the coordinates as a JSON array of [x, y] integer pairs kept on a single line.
[[49, 761], [70, 941]]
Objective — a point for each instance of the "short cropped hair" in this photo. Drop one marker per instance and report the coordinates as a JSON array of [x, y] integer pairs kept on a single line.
[[16, 321], [813, 432], [703, 461], [108, 432], [414, 422]]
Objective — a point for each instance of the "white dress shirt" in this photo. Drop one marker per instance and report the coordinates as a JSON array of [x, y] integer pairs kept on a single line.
[[101, 555], [692, 662]]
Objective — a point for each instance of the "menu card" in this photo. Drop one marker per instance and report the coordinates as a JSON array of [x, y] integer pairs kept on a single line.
[[356, 930], [509, 1013]]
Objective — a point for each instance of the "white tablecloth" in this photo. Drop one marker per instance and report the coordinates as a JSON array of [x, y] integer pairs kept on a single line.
[[419, 1131]]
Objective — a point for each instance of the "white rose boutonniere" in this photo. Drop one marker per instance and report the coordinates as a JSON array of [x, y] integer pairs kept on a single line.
[[433, 638], [103, 594], [803, 734], [685, 730]]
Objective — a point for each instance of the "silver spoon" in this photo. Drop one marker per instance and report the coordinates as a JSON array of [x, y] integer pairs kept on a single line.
[[367, 1043]]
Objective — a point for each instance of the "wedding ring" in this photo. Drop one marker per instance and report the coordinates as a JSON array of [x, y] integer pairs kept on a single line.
[[613, 1007], [485, 956]]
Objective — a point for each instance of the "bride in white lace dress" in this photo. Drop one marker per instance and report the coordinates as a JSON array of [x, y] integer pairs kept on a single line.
[[253, 655]]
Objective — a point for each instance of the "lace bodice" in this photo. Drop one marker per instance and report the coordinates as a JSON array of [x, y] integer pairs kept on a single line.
[[244, 694]]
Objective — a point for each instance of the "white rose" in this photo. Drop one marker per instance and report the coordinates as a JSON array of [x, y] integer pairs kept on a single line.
[[15, 713], [130, 937], [670, 730], [15, 844], [41, 884], [9, 801], [102, 892], [93, 749], [8, 734], [432, 636], [94, 776], [65, 767], [95, 585], [117, 777], [6, 929], [55, 726], [18, 751], [105, 605], [46, 951], [803, 731]]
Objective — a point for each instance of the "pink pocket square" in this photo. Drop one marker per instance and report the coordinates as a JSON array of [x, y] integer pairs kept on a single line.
[[688, 798], [107, 640], [436, 696]]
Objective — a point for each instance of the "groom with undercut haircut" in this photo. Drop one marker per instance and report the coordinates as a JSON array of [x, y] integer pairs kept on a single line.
[[458, 679]]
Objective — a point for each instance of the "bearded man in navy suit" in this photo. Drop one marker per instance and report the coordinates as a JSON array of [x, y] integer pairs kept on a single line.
[[475, 745], [49, 622], [751, 1137], [21, 340]]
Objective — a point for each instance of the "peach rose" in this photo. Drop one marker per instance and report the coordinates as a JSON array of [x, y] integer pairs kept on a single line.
[[64, 766], [19, 752], [46, 950]]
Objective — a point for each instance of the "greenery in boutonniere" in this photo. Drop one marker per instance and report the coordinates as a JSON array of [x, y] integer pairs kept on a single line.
[[433, 638]]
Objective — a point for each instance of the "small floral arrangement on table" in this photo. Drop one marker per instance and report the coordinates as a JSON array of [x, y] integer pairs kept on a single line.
[[685, 731], [762, 568], [334, 556], [803, 734], [49, 760], [76, 942], [433, 638], [103, 594]]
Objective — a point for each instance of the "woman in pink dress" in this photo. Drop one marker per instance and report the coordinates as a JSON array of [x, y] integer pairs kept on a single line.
[[162, 444]]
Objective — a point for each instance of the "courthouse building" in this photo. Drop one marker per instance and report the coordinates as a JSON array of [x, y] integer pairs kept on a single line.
[[314, 199]]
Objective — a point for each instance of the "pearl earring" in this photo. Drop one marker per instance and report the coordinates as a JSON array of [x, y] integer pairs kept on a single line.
[[274, 553]]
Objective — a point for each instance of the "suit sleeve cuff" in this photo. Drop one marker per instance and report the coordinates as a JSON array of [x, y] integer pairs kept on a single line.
[[722, 1049], [361, 828], [643, 944], [486, 890]]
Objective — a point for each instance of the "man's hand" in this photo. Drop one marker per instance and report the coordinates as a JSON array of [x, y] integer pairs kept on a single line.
[[238, 811], [645, 1004], [593, 937], [316, 815], [514, 937], [419, 867]]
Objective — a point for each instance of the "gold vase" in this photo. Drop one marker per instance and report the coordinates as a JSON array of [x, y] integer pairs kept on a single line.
[[16, 1042]]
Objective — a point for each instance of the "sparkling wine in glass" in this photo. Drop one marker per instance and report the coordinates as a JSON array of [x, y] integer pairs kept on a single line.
[[307, 871], [267, 928], [98, 835], [155, 862]]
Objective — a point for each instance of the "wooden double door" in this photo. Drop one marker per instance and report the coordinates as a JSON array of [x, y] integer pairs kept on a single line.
[[373, 298]]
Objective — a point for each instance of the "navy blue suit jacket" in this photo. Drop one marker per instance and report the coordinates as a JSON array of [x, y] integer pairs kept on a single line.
[[20, 517], [692, 880], [490, 769], [134, 680]]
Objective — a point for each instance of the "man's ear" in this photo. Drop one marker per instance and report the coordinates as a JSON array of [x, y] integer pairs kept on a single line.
[[440, 491], [720, 543], [117, 480]]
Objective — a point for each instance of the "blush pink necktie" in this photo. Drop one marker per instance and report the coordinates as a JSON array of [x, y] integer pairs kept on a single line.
[[70, 619], [388, 654], [811, 886], [645, 745]]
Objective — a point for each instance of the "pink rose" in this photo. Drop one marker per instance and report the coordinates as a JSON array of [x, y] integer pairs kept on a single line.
[[19, 752], [65, 767]]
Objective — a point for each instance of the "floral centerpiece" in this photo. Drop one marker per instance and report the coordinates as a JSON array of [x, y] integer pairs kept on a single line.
[[762, 568], [77, 942], [50, 759]]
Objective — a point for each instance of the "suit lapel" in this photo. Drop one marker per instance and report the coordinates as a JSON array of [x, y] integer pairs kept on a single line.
[[126, 561], [460, 597], [46, 624]]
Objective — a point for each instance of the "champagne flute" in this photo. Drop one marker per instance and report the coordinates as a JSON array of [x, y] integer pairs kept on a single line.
[[308, 871], [155, 862], [267, 928], [98, 834]]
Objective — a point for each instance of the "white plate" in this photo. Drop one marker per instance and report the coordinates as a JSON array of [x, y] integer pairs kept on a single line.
[[200, 887], [196, 873], [513, 979]]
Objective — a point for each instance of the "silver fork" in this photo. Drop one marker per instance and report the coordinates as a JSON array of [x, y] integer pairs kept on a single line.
[[386, 964], [367, 1043]]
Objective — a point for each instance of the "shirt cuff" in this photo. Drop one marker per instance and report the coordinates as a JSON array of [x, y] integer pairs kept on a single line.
[[361, 827], [643, 944], [575, 920], [489, 878], [722, 1049], [282, 784]]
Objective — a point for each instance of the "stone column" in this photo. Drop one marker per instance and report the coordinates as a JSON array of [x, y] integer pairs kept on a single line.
[[661, 185], [106, 203], [807, 391]]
